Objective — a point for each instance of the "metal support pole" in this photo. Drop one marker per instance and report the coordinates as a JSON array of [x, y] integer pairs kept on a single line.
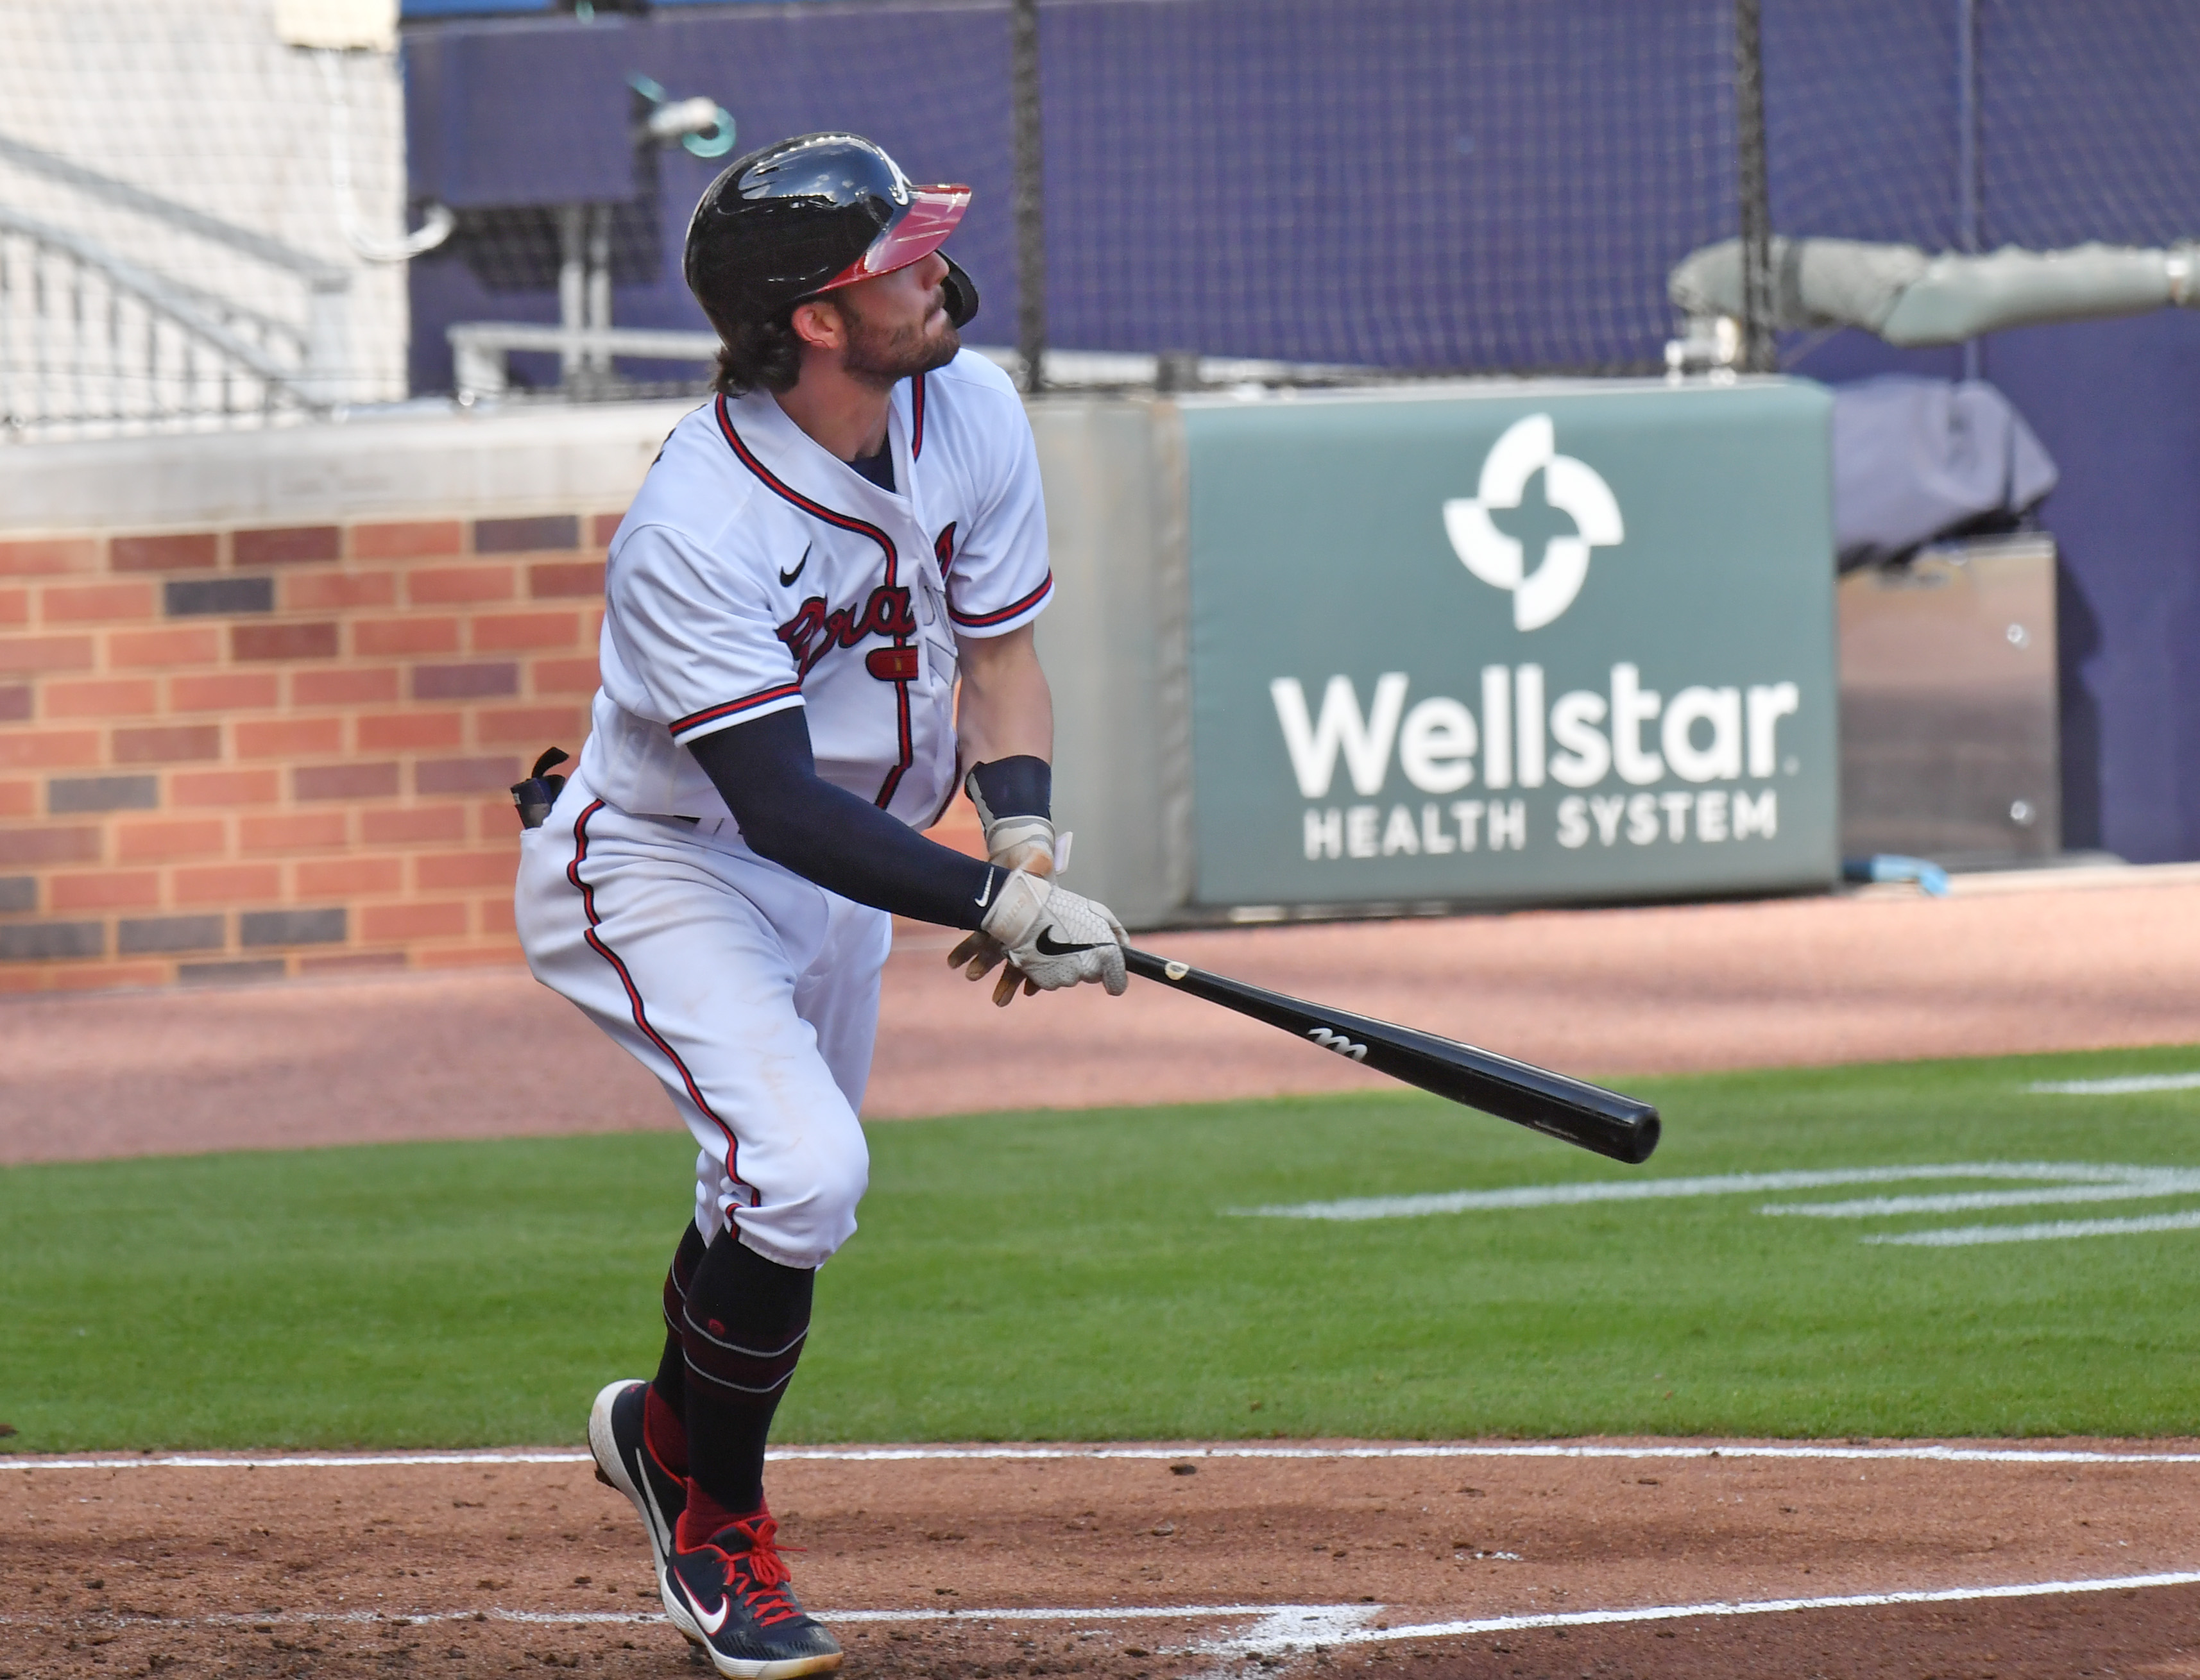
[[599, 362], [1967, 148], [1757, 350], [1030, 191], [573, 289], [327, 381]]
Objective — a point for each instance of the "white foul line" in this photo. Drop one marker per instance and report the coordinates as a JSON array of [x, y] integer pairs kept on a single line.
[[1333, 1623], [1727, 1184], [2164, 1183], [324, 1462], [1112, 1613], [2047, 1182], [2129, 1085], [1964, 1236], [1163, 1455], [1674, 1612]]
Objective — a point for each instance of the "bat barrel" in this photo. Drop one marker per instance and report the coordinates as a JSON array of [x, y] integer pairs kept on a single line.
[[1607, 1122]]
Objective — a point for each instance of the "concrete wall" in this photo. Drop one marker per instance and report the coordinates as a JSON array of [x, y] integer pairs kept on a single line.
[[1115, 646]]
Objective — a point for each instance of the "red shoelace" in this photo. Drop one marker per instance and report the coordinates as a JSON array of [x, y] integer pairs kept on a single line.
[[759, 1575]]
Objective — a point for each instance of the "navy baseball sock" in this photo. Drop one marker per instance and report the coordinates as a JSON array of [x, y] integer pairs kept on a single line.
[[664, 1413], [743, 1326]]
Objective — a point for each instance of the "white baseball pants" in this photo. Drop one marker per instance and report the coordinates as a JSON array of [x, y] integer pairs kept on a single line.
[[751, 994]]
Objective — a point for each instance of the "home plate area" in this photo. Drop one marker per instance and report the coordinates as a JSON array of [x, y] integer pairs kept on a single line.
[[1140, 1562]]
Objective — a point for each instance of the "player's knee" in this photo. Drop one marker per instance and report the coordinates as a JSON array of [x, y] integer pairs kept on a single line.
[[839, 1188], [804, 1224]]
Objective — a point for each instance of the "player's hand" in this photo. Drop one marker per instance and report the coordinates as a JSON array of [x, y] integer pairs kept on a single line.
[[978, 955], [1056, 938], [1013, 843]]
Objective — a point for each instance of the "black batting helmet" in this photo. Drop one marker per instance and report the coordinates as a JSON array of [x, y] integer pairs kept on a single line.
[[811, 213]]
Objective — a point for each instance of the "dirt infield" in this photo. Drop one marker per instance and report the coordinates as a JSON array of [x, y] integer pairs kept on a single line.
[[2020, 962], [1480, 1562]]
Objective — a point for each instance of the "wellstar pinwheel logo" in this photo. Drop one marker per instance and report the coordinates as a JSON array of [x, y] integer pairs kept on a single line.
[[1570, 487]]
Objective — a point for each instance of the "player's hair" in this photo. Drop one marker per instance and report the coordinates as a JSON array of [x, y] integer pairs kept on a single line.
[[753, 353]]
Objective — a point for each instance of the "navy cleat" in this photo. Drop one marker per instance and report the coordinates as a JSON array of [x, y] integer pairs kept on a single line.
[[625, 1461], [731, 1595]]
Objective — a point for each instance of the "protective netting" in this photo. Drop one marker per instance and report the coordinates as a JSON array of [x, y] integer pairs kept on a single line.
[[1412, 183], [2080, 113], [173, 240], [2074, 115], [195, 216]]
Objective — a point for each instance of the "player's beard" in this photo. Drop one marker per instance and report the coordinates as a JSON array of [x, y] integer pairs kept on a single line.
[[882, 355]]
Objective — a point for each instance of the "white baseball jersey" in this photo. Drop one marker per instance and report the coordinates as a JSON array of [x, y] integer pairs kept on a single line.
[[756, 572]]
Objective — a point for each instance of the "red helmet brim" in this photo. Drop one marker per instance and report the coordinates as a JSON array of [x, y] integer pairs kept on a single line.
[[923, 229]]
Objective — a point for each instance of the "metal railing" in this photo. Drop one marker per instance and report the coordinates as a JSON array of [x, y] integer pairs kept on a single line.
[[92, 340], [481, 352]]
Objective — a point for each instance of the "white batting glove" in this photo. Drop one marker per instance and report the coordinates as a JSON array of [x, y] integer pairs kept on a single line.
[[1056, 938], [1012, 843]]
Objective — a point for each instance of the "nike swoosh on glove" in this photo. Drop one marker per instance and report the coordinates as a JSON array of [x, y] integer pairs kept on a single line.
[[1057, 938], [1011, 843]]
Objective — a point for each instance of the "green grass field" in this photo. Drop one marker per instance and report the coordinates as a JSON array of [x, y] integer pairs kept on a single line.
[[1079, 1276]]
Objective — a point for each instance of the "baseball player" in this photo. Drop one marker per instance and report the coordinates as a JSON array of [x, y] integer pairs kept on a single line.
[[819, 562]]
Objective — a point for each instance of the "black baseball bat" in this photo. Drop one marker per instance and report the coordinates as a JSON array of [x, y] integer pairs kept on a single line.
[[1573, 1110]]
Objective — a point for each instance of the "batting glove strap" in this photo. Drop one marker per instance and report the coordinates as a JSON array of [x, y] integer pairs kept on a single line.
[[1021, 843], [1056, 937]]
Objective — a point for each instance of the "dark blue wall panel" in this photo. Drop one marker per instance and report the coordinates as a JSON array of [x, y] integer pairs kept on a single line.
[[927, 82], [2115, 401], [522, 114]]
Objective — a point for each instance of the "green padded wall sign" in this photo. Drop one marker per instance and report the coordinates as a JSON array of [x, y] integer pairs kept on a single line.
[[1526, 643]]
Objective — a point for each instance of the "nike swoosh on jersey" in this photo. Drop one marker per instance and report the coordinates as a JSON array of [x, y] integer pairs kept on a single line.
[[789, 577], [710, 1624], [1048, 948]]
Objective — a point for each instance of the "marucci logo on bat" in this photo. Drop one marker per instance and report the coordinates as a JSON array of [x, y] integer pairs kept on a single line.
[[1338, 1043]]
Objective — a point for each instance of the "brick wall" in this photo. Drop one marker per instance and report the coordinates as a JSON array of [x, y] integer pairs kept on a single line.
[[244, 753]]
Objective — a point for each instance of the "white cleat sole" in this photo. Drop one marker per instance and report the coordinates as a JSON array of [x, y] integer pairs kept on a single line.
[[611, 1471]]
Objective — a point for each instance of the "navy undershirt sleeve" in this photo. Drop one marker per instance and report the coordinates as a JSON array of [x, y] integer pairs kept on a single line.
[[765, 772]]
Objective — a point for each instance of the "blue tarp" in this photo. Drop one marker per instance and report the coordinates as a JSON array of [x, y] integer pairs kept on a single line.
[[1918, 458]]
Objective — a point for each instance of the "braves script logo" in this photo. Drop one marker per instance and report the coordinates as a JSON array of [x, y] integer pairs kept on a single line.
[[1573, 487], [816, 630]]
